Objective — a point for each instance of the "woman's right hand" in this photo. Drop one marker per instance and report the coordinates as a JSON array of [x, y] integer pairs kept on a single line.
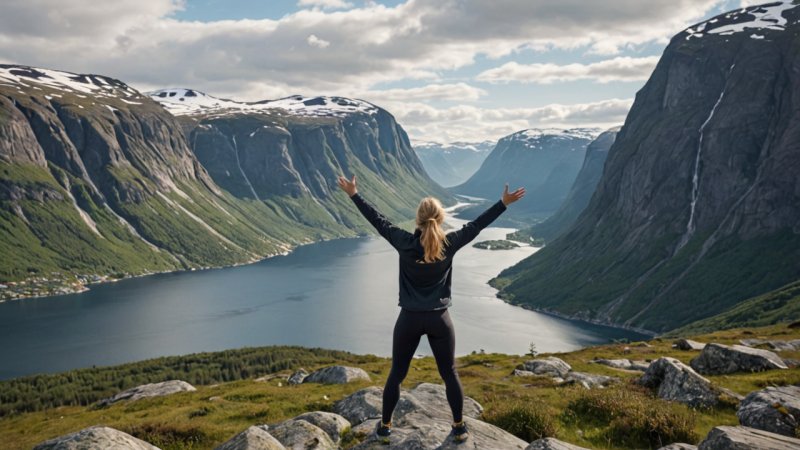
[[348, 186], [509, 198]]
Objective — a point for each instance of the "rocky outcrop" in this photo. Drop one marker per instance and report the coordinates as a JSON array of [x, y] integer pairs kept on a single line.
[[589, 380], [579, 194], [623, 364], [552, 444], [421, 420], [253, 438], [149, 390], [774, 344], [679, 446], [546, 162], [745, 438], [337, 375], [688, 344], [696, 211], [297, 376], [774, 409], [302, 434], [366, 403], [674, 380], [95, 438], [550, 366], [332, 424], [718, 359]]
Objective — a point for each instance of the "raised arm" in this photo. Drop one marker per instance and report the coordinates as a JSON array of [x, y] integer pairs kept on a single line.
[[470, 230], [383, 225]]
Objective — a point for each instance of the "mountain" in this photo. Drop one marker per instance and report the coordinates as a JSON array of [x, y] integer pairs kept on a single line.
[[290, 151], [698, 207], [545, 161], [453, 163], [578, 196], [97, 178]]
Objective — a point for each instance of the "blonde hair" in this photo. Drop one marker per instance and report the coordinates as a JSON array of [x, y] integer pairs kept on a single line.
[[430, 216]]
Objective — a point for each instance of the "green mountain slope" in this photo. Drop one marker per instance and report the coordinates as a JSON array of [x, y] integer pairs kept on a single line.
[[96, 178]]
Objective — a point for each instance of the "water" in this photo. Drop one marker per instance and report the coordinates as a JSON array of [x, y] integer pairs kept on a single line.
[[339, 294]]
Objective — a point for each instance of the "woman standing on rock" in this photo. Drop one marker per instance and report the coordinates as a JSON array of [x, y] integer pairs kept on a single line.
[[426, 259]]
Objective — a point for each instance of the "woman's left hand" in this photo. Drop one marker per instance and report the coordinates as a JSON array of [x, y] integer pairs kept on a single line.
[[348, 186]]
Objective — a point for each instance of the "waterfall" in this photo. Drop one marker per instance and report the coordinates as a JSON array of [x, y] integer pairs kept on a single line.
[[239, 165]]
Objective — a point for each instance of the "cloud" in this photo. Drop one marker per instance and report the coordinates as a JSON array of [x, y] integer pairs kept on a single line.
[[142, 43], [622, 68], [325, 4], [472, 123], [138, 41], [314, 41], [447, 92]]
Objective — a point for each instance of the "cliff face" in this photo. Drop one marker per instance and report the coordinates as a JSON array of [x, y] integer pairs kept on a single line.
[[290, 151], [699, 204], [546, 162], [579, 194], [96, 178], [452, 164]]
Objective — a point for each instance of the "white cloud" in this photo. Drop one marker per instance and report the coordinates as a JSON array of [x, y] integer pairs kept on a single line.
[[472, 123], [325, 4], [140, 42], [137, 40], [621, 68], [447, 92], [314, 41]]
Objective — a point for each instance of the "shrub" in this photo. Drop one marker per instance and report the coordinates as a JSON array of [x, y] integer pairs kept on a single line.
[[527, 420], [630, 417], [169, 436]]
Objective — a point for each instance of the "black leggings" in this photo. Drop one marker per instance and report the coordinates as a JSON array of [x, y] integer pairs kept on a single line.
[[410, 327]]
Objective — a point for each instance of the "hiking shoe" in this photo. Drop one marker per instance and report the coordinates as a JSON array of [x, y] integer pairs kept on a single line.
[[383, 431], [460, 432]]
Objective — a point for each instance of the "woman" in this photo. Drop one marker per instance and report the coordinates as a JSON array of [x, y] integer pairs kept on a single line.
[[426, 258]]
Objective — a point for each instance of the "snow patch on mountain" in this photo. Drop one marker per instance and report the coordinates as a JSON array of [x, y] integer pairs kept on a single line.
[[762, 17], [34, 78], [180, 101], [533, 136]]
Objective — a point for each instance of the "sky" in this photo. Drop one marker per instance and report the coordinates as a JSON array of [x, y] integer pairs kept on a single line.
[[448, 70]]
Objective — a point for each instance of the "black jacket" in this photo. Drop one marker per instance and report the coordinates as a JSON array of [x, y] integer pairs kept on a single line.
[[425, 286]]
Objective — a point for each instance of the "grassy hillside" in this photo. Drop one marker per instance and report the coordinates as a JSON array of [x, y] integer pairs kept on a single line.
[[780, 305], [529, 407]]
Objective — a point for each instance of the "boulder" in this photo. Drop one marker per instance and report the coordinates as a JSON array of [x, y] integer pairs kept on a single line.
[[95, 438], [746, 438], [688, 344], [336, 375], [333, 424], [774, 409], [253, 438], [298, 376], [522, 373], [718, 359], [418, 431], [774, 344], [550, 366], [302, 434], [623, 364], [149, 390], [367, 403], [552, 444], [589, 380], [679, 446], [674, 380], [421, 420]]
